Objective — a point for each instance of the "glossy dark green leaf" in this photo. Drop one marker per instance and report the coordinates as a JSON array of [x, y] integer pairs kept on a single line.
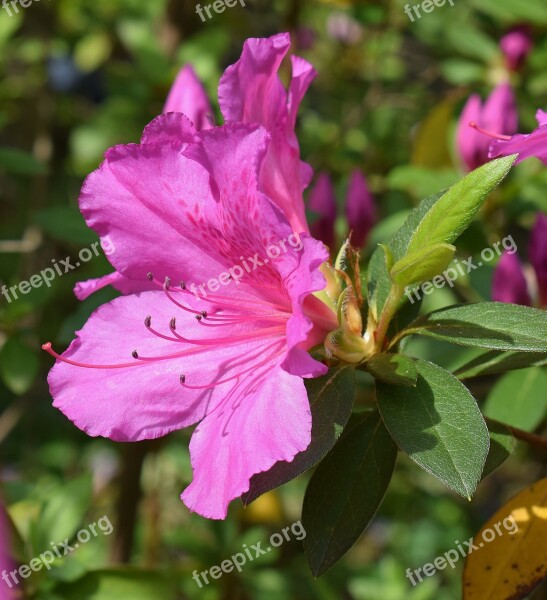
[[331, 400], [439, 425], [393, 368], [493, 325], [519, 398], [346, 490], [502, 445], [494, 361]]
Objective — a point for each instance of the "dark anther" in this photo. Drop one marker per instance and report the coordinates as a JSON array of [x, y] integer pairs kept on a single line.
[[135, 354], [167, 283], [150, 276], [199, 317], [148, 321], [173, 323], [182, 379], [204, 314], [182, 285]]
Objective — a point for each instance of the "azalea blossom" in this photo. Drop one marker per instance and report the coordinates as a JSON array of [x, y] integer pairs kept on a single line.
[[498, 114], [525, 145], [182, 208], [510, 283], [250, 91], [6, 563]]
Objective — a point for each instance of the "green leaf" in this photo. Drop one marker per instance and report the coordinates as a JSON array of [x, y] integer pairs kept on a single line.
[[422, 265], [439, 425], [519, 399], [493, 325], [378, 280], [493, 362], [20, 163], [71, 500], [393, 368], [19, 366], [453, 213], [331, 400], [502, 445], [129, 582], [346, 490]]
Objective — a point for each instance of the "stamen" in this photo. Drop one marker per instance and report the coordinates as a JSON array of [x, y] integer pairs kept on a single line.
[[173, 324], [150, 276], [135, 354], [47, 347], [148, 321], [497, 136]]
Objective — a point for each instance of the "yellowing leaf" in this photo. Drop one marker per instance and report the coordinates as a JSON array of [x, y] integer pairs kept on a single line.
[[511, 565]]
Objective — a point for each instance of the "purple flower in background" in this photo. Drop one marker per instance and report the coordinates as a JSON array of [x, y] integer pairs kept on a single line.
[[360, 209], [497, 115], [342, 27], [525, 145], [322, 201], [188, 96], [509, 283], [516, 45]]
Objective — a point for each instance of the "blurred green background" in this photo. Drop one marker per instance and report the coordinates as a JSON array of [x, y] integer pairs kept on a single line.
[[78, 76]]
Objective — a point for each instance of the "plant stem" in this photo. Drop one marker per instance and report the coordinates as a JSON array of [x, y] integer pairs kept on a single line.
[[531, 438], [390, 308]]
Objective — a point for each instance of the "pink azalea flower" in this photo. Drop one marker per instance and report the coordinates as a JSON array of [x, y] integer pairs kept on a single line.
[[509, 283], [226, 348], [525, 145], [516, 45], [498, 114], [250, 91], [322, 201], [360, 209]]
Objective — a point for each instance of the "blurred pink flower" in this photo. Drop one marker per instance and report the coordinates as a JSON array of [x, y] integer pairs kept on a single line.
[[525, 145], [498, 115], [516, 45], [360, 209], [509, 283], [343, 28], [187, 206], [322, 202]]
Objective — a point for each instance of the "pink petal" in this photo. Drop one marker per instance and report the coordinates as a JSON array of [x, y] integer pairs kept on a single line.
[[541, 117], [509, 284], [251, 91], [172, 128], [470, 142], [148, 401], [526, 146], [537, 253], [189, 97], [360, 209], [322, 202], [84, 289], [185, 223], [6, 561], [500, 111], [247, 434]]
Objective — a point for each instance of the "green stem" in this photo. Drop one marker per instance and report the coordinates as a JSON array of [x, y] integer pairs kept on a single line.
[[390, 308]]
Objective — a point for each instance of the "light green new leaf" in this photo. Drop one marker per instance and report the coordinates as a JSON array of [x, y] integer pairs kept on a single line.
[[422, 265], [439, 425], [519, 399], [452, 214], [493, 325]]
